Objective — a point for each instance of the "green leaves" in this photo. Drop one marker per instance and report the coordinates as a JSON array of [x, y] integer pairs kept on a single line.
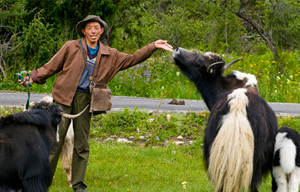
[[40, 42]]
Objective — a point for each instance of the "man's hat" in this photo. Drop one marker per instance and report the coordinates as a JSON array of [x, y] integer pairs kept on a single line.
[[91, 18]]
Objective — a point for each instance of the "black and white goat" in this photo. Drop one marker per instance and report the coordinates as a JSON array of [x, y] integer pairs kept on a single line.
[[286, 161], [241, 129]]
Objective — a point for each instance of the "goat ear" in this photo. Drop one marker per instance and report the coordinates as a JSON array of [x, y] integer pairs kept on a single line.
[[215, 65], [213, 72]]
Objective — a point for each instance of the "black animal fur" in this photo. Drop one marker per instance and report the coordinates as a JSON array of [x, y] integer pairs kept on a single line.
[[26, 139]]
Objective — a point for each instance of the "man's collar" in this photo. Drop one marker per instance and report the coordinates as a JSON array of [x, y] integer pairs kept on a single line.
[[103, 50]]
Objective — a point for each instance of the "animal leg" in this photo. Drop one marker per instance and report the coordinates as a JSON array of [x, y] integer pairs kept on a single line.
[[294, 180], [280, 179], [66, 160], [256, 178], [67, 154]]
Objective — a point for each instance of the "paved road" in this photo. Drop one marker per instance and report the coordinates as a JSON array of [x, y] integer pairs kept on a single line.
[[19, 98]]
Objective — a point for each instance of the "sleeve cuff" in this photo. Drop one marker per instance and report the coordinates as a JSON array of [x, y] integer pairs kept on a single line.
[[34, 78]]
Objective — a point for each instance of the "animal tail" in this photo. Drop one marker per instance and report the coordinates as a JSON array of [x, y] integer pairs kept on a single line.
[[287, 151], [231, 156]]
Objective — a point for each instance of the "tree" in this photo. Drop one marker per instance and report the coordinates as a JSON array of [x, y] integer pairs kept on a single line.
[[249, 12], [12, 13], [271, 20]]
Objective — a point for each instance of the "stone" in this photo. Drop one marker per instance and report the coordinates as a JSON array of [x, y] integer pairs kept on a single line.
[[150, 120], [131, 137], [123, 140], [178, 143], [142, 137]]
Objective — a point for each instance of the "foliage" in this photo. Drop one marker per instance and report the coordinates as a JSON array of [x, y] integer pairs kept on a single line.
[[39, 33], [155, 126], [11, 13], [44, 26], [159, 77], [283, 21]]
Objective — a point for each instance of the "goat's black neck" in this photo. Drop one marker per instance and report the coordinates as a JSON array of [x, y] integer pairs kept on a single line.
[[210, 90]]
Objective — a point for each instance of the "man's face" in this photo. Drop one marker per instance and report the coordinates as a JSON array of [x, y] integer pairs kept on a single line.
[[92, 32]]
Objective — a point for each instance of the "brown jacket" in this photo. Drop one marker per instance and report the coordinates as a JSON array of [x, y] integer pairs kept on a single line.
[[68, 62]]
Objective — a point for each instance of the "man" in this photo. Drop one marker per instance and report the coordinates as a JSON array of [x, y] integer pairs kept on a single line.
[[71, 87]]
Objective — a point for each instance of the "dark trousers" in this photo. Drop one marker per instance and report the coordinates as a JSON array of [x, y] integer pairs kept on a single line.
[[81, 126]]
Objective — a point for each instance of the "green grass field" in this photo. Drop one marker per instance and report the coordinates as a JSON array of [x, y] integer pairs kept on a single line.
[[151, 165], [119, 168]]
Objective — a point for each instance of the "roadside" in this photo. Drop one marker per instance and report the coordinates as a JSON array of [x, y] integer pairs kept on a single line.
[[147, 104]]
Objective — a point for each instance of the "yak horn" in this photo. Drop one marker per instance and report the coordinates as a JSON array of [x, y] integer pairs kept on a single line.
[[214, 64], [73, 116], [230, 63]]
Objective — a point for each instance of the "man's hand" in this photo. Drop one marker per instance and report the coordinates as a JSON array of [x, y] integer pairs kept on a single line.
[[25, 81], [162, 44]]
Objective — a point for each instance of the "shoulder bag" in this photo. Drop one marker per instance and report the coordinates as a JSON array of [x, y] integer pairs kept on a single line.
[[99, 92]]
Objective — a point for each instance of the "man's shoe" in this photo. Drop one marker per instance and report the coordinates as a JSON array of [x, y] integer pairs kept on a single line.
[[81, 188]]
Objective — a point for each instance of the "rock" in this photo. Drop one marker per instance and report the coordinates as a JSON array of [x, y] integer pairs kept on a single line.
[[109, 139], [157, 138], [131, 137], [150, 120], [142, 137], [180, 137], [168, 117], [178, 143], [123, 140], [176, 102]]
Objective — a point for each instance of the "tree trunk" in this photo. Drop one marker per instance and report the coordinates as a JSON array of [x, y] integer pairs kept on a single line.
[[260, 31], [2, 69]]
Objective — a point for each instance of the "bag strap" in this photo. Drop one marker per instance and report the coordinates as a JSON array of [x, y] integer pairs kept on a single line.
[[91, 77]]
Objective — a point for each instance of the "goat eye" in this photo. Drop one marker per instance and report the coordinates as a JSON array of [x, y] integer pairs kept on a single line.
[[199, 61]]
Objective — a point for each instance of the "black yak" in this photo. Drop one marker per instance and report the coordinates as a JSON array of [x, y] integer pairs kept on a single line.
[[241, 129], [26, 139], [286, 161]]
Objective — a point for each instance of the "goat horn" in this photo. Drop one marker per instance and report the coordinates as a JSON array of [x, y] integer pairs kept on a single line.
[[230, 63], [214, 64], [73, 116]]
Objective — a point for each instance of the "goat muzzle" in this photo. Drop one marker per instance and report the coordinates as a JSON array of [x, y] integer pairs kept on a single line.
[[73, 116]]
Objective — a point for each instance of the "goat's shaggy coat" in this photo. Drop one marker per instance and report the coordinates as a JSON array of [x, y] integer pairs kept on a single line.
[[26, 139], [240, 132], [235, 134], [286, 162]]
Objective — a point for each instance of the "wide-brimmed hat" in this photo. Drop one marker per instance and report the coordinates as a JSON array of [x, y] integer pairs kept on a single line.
[[91, 18]]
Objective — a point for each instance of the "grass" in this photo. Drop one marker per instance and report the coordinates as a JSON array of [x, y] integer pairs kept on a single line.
[[156, 166], [117, 167]]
